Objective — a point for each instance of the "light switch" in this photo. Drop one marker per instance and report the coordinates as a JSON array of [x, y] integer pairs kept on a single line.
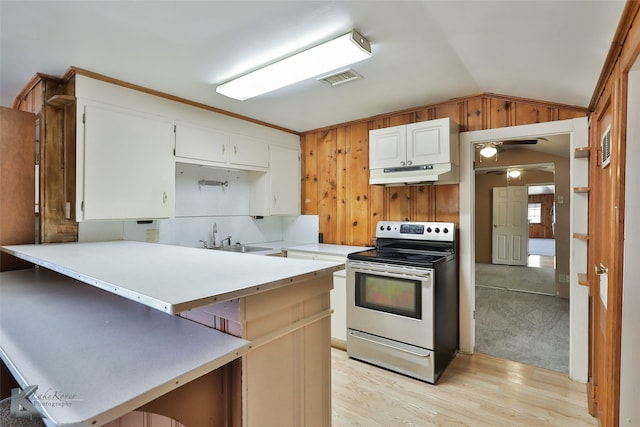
[[560, 200]]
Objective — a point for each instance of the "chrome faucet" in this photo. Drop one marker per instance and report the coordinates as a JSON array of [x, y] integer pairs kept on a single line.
[[228, 239], [214, 235]]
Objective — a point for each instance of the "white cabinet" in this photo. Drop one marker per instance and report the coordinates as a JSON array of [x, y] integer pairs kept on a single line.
[[338, 295], [248, 151], [277, 192], [413, 153], [212, 147], [201, 144], [125, 165], [408, 145]]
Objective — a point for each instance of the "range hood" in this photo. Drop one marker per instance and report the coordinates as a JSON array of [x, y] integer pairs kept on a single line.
[[418, 153], [443, 173]]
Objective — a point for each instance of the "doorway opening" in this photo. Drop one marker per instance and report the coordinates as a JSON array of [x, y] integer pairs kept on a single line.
[[521, 308]]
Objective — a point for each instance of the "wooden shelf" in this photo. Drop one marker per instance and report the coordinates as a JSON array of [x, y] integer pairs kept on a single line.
[[61, 101], [582, 152], [581, 189], [583, 279], [580, 236]]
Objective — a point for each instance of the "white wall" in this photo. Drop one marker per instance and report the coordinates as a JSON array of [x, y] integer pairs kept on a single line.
[[629, 370]]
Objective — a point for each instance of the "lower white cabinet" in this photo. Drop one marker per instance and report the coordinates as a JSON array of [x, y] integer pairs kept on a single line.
[[125, 165], [338, 295]]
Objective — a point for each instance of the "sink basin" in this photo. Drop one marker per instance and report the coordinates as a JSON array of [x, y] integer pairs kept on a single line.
[[241, 248]]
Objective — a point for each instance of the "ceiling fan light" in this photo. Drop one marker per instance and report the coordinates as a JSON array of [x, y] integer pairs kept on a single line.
[[489, 150], [339, 52]]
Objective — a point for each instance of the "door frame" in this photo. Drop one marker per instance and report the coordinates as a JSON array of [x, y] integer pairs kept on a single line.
[[579, 295]]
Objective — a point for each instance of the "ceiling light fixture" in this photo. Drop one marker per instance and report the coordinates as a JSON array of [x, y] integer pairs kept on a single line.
[[514, 173], [339, 52], [488, 150]]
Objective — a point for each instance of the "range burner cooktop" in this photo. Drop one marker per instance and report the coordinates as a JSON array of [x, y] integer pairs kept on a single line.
[[420, 244]]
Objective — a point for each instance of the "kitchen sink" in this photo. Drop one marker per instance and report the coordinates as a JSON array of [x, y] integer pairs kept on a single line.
[[241, 248]]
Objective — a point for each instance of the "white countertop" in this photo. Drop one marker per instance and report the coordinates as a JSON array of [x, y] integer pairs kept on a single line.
[[95, 356], [326, 248], [169, 278]]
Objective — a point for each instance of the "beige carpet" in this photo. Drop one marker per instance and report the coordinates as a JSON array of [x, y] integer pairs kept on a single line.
[[517, 278]]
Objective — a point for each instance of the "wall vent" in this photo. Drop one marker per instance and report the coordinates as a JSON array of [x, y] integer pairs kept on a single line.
[[341, 77]]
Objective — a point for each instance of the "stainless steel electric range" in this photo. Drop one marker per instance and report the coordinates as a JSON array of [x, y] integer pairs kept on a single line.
[[402, 299]]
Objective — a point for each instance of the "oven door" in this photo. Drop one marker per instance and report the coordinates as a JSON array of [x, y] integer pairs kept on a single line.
[[391, 301]]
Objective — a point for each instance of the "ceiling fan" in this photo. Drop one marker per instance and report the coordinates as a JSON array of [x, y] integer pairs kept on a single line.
[[490, 149]]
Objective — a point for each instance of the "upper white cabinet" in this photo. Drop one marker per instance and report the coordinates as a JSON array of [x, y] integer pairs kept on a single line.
[[277, 192], [407, 145], [424, 151], [388, 147], [202, 144], [125, 167], [212, 147], [248, 151]]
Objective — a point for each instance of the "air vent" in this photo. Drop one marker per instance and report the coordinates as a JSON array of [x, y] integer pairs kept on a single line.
[[341, 77]]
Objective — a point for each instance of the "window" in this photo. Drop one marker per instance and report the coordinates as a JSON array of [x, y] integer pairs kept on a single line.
[[535, 213]]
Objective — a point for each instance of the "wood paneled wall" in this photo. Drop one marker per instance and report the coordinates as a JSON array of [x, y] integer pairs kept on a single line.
[[335, 166], [606, 221]]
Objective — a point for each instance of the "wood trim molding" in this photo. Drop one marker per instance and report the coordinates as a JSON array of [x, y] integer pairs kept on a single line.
[[629, 13]]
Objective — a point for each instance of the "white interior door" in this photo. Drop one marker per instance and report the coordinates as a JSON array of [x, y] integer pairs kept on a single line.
[[510, 225]]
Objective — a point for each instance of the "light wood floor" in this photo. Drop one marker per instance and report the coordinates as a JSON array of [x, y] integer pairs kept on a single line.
[[474, 391]]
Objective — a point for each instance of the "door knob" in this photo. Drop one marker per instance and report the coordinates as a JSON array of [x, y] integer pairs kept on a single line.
[[601, 269]]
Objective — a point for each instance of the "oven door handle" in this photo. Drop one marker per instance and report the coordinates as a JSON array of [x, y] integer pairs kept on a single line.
[[355, 334], [390, 271]]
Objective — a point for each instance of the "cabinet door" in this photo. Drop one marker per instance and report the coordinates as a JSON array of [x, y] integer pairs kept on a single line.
[[428, 142], [387, 147], [249, 151], [202, 144], [128, 165], [285, 181]]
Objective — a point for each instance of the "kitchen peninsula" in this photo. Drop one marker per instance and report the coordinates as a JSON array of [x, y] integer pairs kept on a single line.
[[277, 308]]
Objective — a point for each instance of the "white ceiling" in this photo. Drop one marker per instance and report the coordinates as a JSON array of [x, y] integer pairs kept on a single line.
[[424, 52]]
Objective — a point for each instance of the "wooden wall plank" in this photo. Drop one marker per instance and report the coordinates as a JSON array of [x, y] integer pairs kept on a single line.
[[327, 185], [476, 114], [447, 202], [423, 207], [309, 205], [359, 197], [343, 138]]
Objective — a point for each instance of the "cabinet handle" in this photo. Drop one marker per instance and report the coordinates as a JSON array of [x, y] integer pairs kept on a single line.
[[275, 201], [235, 150], [409, 162], [164, 197], [601, 269], [402, 163], [223, 148]]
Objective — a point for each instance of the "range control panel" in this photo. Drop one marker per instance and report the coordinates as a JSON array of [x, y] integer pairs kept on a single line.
[[434, 231]]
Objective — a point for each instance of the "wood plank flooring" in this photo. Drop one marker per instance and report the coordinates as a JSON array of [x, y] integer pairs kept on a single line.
[[477, 390]]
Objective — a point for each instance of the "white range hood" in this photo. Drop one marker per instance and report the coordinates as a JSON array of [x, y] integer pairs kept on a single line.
[[418, 153], [441, 173]]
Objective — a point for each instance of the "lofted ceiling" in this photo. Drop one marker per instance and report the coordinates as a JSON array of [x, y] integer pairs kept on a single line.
[[424, 52]]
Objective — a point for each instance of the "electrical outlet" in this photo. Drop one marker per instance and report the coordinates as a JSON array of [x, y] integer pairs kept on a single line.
[[153, 235], [563, 278]]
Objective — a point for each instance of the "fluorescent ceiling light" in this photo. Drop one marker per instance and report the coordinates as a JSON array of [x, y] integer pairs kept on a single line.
[[489, 150], [339, 52]]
